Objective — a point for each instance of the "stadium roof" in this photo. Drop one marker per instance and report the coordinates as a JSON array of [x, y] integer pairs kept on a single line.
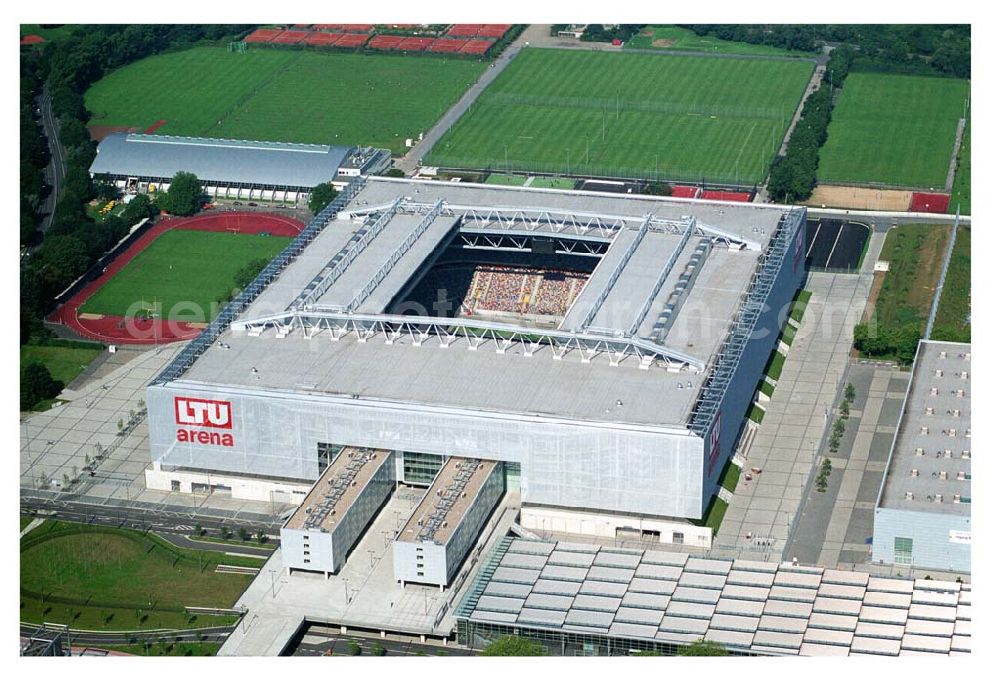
[[342, 282], [931, 460], [748, 606], [261, 163]]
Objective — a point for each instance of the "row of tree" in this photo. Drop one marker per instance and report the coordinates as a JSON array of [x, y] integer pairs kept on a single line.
[[932, 49], [793, 175], [785, 36], [598, 33]]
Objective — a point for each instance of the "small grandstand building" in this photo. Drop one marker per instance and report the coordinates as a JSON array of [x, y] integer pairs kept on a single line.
[[603, 349], [242, 170]]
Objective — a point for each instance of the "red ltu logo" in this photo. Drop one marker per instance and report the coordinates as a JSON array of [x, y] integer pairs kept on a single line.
[[204, 413]]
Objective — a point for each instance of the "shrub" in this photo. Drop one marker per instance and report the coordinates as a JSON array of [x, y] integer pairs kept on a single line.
[[353, 648]]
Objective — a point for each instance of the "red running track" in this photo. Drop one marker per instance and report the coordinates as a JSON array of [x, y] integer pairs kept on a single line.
[[140, 331]]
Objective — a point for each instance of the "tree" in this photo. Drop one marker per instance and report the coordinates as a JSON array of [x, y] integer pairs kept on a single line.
[[850, 393], [703, 648], [244, 535], [37, 384], [247, 273], [514, 645], [395, 172], [353, 648], [184, 195], [378, 649], [321, 196]]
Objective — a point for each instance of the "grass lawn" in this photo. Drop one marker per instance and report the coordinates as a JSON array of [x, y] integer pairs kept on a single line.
[[104, 578], [25, 521], [730, 476], [915, 254], [799, 303], [766, 388], [498, 179], [64, 363], [756, 414], [961, 190], [893, 129], [683, 39], [775, 365], [181, 268], [787, 334], [284, 95], [952, 320], [167, 648], [714, 514], [625, 114], [556, 182]]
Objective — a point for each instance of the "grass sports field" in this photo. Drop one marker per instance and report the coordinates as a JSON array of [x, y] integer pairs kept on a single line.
[[116, 579], [961, 190], [182, 266], [614, 114], [684, 40], [283, 95], [893, 129]]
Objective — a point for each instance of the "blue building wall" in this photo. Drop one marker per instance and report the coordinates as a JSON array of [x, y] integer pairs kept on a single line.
[[940, 541], [755, 355]]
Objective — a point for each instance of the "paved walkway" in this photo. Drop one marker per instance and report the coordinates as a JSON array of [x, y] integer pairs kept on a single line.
[[787, 444], [834, 527]]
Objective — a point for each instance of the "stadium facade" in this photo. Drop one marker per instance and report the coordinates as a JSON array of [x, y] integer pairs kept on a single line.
[[227, 168], [627, 404], [923, 517]]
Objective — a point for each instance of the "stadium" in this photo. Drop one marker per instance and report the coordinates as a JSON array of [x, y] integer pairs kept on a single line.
[[602, 349]]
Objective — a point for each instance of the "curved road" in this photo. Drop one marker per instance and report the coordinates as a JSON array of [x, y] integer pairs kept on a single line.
[[56, 169], [96, 638]]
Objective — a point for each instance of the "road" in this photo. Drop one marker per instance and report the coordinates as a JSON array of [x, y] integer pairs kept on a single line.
[[319, 641], [56, 170], [414, 158], [160, 521], [99, 638], [234, 548]]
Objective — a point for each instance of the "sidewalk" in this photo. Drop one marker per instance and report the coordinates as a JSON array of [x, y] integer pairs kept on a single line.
[[787, 442]]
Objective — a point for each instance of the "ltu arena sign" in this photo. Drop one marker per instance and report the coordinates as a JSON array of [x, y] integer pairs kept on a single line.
[[191, 411]]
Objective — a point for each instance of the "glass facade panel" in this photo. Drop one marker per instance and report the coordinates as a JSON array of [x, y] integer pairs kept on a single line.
[[420, 468], [903, 551]]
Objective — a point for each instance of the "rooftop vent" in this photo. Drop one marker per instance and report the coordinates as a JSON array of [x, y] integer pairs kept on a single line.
[[938, 373], [919, 451], [908, 496], [961, 474], [929, 410], [938, 498], [960, 392], [943, 354], [914, 472], [947, 453], [956, 413], [966, 454], [923, 430], [934, 391], [964, 375], [957, 499], [943, 475]]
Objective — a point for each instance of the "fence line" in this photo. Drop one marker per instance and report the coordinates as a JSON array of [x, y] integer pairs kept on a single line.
[[618, 105]]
